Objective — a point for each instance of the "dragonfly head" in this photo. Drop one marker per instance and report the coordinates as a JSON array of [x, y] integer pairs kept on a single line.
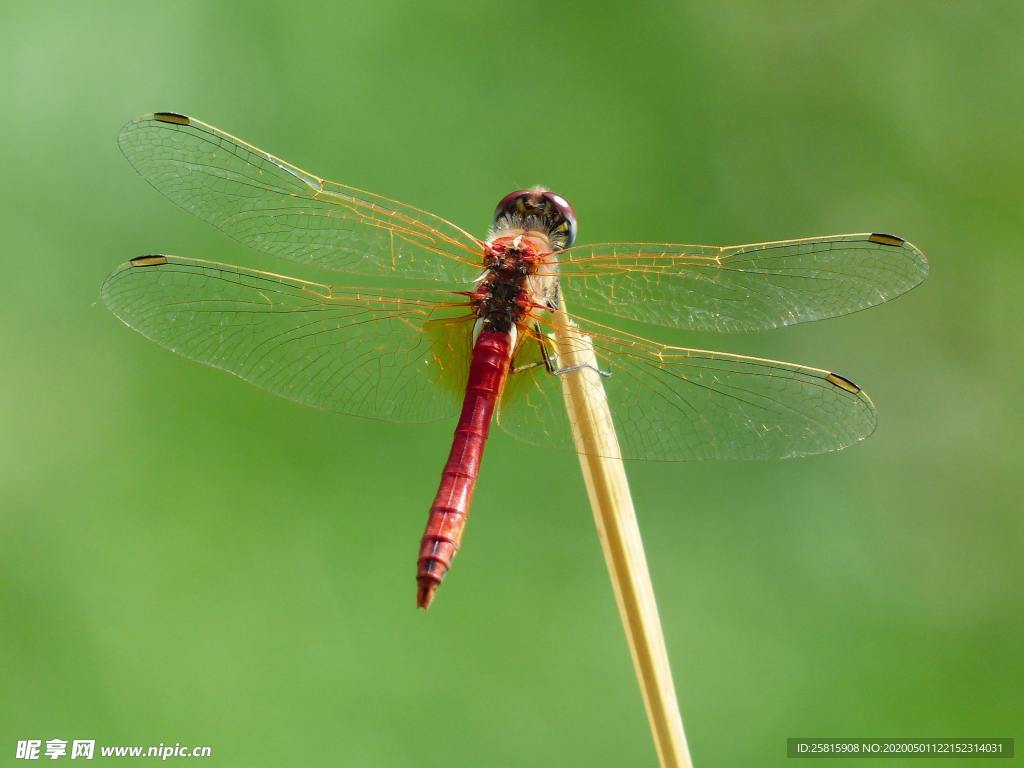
[[539, 209]]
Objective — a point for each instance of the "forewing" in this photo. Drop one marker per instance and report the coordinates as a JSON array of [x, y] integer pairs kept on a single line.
[[400, 357], [678, 404], [741, 287], [276, 207]]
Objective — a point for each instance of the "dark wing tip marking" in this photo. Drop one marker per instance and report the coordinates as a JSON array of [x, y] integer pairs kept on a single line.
[[171, 117], [884, 239], [843, 383], [152, 260]]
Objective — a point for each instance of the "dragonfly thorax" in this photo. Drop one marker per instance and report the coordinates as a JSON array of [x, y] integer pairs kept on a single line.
[[518, 279], [515, 253]]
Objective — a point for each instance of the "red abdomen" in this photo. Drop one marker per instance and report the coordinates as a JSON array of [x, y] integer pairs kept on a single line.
[[487, 371]]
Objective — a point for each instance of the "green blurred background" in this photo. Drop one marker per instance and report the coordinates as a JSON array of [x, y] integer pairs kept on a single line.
[[184, 558]]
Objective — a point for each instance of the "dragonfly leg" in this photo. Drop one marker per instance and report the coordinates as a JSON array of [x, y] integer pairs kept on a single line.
[[571, 368], [550, 360], [544, 355], [528, 366]]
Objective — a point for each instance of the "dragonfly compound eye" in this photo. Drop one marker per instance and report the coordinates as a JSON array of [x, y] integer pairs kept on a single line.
[[511, 205], [540, 208], [564, 218]]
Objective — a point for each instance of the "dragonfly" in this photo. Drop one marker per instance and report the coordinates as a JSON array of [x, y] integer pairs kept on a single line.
[[472, 332]]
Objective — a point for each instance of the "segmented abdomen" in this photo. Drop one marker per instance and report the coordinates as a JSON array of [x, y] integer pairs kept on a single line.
[[487, 371]]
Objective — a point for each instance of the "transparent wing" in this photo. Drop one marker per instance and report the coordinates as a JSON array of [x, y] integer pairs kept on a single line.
[[400, 357], [276, 207], [678, 404], [741, 287]]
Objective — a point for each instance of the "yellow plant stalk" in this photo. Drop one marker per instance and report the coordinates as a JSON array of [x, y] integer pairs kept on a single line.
[[617, 528]]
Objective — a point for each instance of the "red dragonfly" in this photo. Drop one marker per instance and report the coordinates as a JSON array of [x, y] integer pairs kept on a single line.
[[484, 342]]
